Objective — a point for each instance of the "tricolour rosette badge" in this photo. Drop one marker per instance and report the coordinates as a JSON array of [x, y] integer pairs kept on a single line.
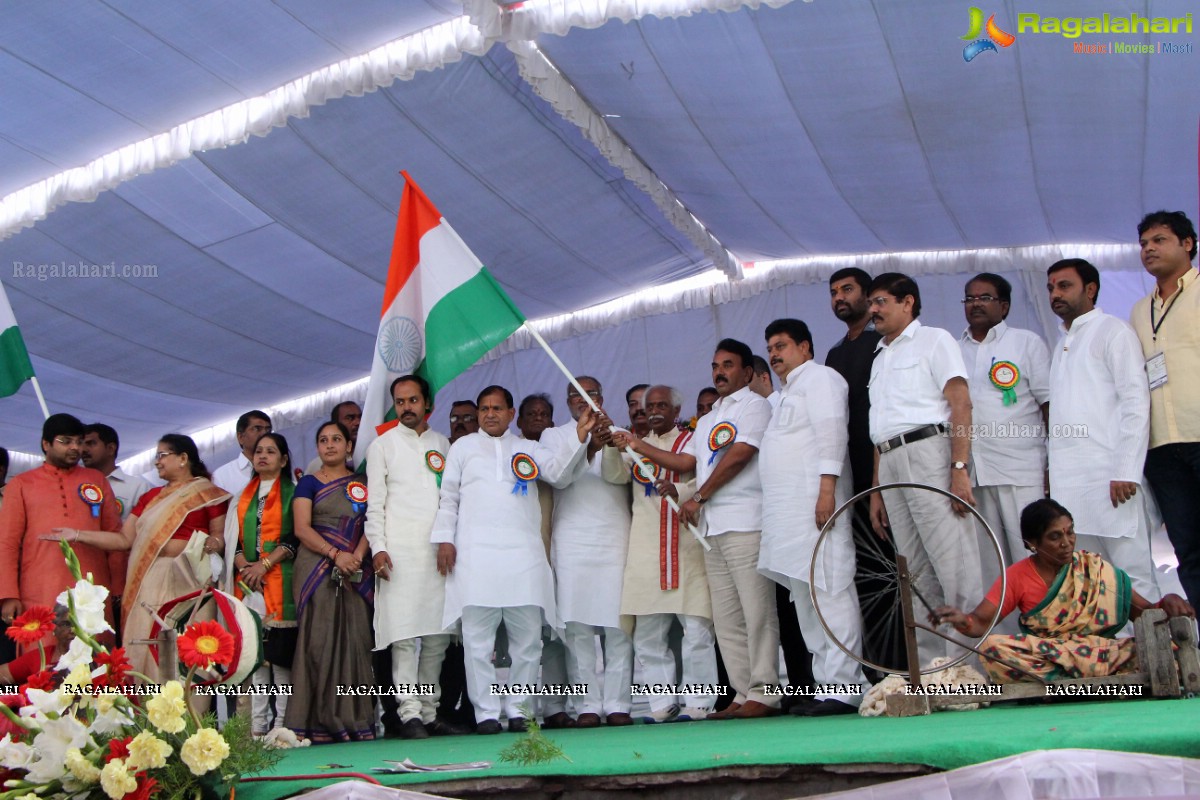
[[1005, 376], [646, 474], [436, 462], [93, 495], [356, 493], [721, 436], [526, 470]]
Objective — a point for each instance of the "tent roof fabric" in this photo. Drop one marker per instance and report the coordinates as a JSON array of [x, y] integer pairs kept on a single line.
[[249, 271]]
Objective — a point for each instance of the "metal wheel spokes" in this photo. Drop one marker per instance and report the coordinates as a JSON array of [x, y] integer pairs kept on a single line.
[[877, 581]]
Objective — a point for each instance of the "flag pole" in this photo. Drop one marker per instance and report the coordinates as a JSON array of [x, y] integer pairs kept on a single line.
[[37, 389], [642, 469]]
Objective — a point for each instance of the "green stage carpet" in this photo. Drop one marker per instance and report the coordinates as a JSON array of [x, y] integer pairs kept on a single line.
[[945, 740]]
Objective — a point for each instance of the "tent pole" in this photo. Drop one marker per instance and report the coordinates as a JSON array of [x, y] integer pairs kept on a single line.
[[641, 468]]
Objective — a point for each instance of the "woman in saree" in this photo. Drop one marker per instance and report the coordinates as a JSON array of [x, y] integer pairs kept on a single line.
[[333, 600], [170, 533], [1072, 603], [261, 524]]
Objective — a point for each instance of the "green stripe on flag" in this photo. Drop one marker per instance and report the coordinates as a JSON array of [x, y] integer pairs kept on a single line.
[[463, 326], [15, 367]]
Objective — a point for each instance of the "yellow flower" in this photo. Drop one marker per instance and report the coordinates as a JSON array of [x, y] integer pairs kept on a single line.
[[78, 679], [80, 768], [116, 780], [204, 751], [147, 751], [167, 708]]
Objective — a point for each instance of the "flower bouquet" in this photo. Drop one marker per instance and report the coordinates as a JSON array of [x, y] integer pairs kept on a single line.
[[96, 733]]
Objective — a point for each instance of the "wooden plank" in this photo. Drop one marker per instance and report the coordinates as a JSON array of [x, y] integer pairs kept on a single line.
[[1154, 652], [906, 705], [1183, 633]]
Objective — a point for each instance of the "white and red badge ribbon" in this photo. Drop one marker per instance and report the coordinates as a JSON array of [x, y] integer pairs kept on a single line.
[[525, 469], [93, 495], [721, 436], [1005, 376], [356, 493], [436, 462]]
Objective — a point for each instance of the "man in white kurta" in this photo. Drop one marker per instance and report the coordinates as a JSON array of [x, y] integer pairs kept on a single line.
[[664, 571], [1008, 374], [404, 468], [587, 551], [489, 545], [1099, 425], [804, 453]]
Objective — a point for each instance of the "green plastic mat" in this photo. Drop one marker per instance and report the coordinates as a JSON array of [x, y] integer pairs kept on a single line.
[[945, 740]]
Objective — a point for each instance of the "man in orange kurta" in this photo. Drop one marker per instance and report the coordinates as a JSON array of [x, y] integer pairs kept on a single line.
[[33, 572]]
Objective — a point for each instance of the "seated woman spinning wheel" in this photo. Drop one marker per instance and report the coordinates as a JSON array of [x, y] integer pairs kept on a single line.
[[1073, 604]]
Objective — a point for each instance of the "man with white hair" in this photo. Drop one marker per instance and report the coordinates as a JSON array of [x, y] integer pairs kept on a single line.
[[664, 570]]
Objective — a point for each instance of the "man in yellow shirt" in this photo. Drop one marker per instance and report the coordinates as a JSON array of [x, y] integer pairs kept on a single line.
[[1166, 323]]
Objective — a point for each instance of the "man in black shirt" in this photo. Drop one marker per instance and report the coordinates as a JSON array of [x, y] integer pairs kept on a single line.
[[882, 636]]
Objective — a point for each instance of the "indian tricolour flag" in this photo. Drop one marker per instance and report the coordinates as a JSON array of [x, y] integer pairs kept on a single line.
[[15, 367], [442, 309]]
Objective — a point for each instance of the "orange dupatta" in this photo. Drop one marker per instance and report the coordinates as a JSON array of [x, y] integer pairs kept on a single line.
[[263, 536]]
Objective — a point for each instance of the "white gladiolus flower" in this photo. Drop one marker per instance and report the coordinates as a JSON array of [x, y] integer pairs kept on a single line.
[[78, 654], [89, 606]]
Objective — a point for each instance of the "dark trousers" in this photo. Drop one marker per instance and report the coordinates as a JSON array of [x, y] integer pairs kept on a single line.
[[883, 627], [455, 705], [1174, 474]]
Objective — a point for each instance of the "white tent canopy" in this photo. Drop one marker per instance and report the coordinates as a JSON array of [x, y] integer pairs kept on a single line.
[[242, 161]]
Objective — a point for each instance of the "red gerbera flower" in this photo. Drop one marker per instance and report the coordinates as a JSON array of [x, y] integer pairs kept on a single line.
[[204, 644], [118, 748], [146, 787], [32, 626], [118, 665], [43, 680]]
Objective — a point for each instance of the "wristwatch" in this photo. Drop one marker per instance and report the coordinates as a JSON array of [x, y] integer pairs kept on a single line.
[[959, 465], [700, 500]]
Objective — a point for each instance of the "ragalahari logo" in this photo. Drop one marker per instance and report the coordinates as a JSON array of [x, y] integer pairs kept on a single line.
[[995, 36]]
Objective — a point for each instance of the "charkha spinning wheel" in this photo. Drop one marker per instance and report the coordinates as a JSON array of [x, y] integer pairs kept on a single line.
[[891, 632]]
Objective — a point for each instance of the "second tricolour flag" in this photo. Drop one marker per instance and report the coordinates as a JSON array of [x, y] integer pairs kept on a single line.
[[442, 310]]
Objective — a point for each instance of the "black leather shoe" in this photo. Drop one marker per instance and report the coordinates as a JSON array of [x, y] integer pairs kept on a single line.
[[801, 706], [488, 727], [440, 727], [558, 721], [413, 729], [517, 725], [830, 708]]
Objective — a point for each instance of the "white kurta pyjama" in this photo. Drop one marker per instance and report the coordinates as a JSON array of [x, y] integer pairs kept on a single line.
[[1008, 451], [501, 559], [402, 503], [806, 438], [1099, 432], [589, 541]]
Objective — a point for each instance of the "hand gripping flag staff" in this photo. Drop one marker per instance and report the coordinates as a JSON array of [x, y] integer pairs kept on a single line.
[[442, 312]]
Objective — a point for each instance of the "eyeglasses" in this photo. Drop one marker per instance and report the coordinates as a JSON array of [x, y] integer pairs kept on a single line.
[[592, 393], [979, 298], [881, 301], [161, 456], [455, 418], [69, 441]]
